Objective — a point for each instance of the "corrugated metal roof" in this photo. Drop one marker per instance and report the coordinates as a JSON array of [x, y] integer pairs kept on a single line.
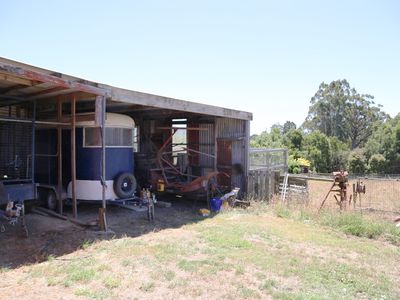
[[19, 80]]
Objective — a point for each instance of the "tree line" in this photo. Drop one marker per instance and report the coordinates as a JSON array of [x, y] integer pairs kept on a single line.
[[343, 130]]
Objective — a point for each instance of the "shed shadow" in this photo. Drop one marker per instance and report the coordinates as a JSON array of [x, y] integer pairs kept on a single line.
[[49, 236]]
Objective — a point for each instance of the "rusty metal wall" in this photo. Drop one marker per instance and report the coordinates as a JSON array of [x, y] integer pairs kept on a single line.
[[206, 145], [230, 128], [236, 130]]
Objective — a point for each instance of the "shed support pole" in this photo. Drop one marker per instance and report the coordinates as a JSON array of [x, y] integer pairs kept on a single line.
[[59, 158], [215, 146], [33, 141], [73, 157], [102, 211], [246, 156]]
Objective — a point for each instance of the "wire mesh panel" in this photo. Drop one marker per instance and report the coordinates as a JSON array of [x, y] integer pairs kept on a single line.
[[15, 150], [263, 164], [15, 140], [271, 159]]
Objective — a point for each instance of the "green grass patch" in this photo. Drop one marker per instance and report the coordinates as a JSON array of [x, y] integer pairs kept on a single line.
[[86, 244], [169, 275], [126, 262], [51, 257], [91, 294], [354, 224], [53, 281], [82, 275], [148, 287], [228, 237], [268, 284], [344, 281], [282, 211], [190, 265], [247, 292], [166, 252], [112, 282]]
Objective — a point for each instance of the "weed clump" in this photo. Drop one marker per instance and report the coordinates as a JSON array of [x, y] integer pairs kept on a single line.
[[282, 211], [354, 224]]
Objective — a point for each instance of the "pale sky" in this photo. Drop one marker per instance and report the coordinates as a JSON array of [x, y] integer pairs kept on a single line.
[[265, 57]]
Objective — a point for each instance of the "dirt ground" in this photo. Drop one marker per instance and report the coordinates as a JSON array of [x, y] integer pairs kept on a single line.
[[52, 236], [257, 253]]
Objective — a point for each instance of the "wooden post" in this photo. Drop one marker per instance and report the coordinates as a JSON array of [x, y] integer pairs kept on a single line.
[[246, 154], [59, 158], [286, 158], [102, 211], [102, 219], [73, 157], [33, 156], [277, 178], [215, 146], [268, 184], [249, 189], [33, 142], [272, 184]]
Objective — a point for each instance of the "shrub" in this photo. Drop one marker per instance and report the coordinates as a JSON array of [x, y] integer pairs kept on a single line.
[[293, 165], [357, 163], [377, 164]]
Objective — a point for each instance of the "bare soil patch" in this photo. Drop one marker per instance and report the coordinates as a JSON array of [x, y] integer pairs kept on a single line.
[[53, 237]]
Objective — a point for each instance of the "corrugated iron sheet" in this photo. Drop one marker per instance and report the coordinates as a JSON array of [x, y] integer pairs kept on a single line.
[[236, 130], [230, 128], [206, 145]]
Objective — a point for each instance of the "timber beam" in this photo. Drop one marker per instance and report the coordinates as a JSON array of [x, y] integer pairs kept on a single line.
[[61, 82]]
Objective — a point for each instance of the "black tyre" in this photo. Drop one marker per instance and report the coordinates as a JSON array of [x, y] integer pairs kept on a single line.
[[125, 185]]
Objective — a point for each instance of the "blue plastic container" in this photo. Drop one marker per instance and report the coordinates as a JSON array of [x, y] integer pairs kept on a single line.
[[215, 204]]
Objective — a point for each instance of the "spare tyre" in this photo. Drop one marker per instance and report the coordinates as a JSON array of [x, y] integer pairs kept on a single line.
[[125, 185]]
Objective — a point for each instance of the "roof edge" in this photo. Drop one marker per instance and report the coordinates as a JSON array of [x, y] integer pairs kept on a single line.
[[134, 97], [141, 98]]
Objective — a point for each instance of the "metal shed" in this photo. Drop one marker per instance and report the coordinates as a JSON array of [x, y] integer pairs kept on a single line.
[[33, 98]]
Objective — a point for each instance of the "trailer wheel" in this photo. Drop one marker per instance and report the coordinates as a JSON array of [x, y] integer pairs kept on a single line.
[[125, 185]]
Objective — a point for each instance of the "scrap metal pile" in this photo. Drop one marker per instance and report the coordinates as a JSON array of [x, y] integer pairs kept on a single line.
[[178, 181]]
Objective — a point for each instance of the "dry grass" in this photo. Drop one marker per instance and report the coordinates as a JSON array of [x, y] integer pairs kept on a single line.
[[261, 252]]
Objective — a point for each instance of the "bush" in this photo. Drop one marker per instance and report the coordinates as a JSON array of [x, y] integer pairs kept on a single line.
[[377, 164], [293, 165], [357, 163]]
